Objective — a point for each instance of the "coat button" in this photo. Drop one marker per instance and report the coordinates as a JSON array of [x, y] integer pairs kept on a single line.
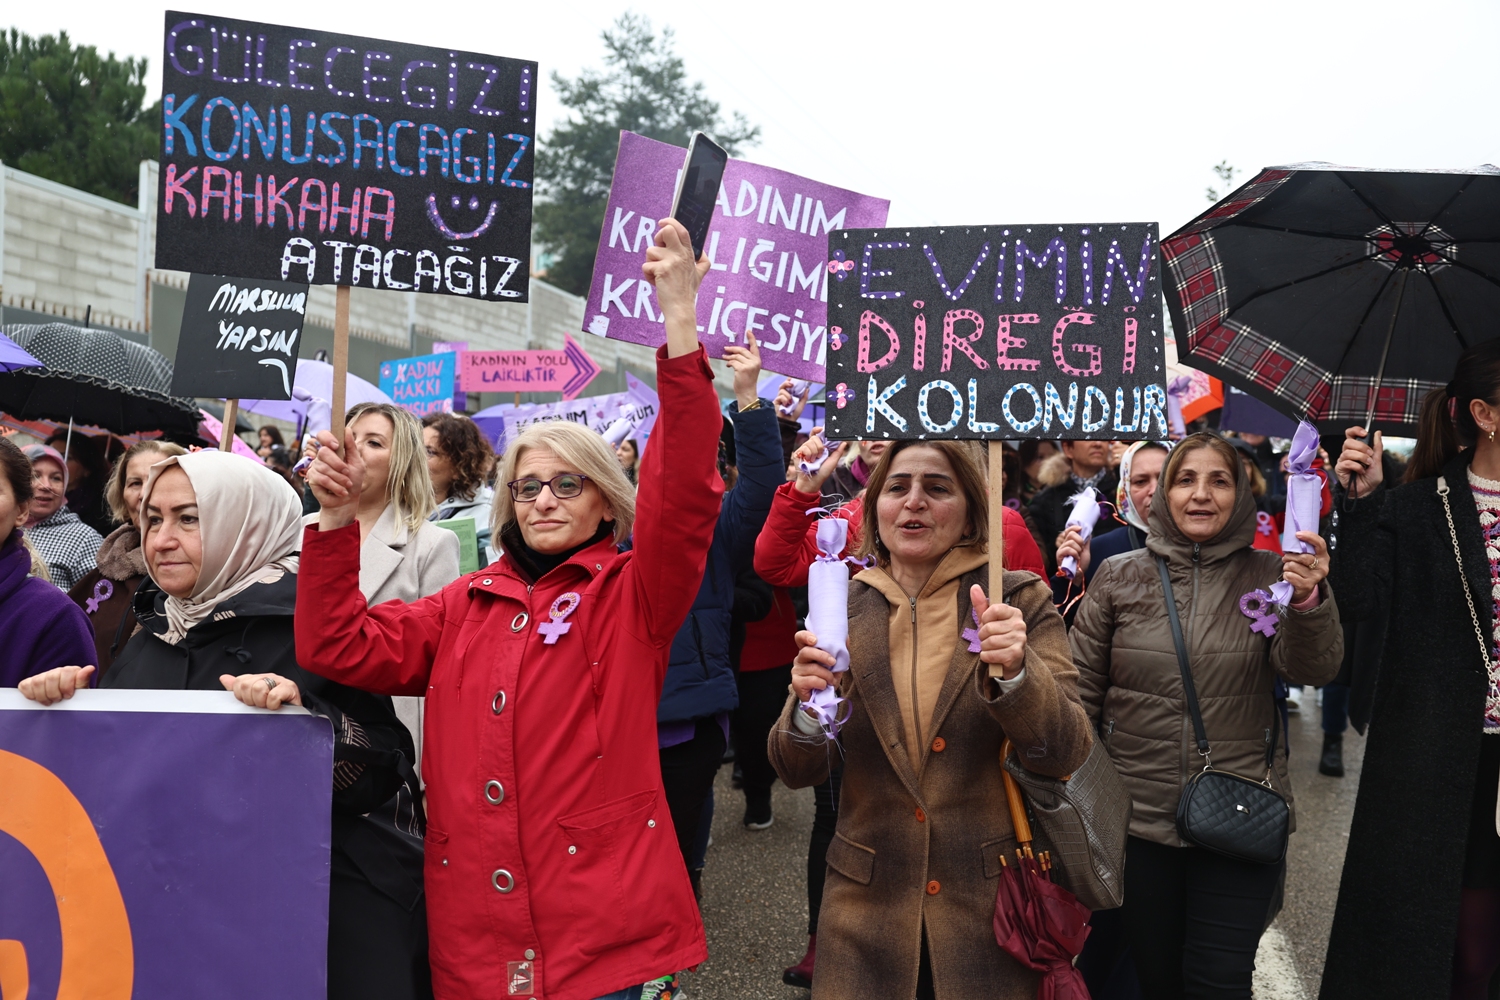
[[932, 888], [494, 793], [445, 862], [504, 881], [486, 582], [519, 621], [530, 954], [921, 816], [497, 703], [939, 745], [651, 823], [572, 849]]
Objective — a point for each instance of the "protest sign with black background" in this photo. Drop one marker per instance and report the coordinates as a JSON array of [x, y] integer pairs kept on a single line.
[[240, 338], [996, 332], [301, 155]]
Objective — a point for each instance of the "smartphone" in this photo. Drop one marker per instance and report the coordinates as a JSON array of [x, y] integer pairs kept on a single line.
[[698, 188]]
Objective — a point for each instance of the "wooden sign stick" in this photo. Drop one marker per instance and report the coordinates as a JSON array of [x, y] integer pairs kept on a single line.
[[231, 417], [340, 360], [997, 519]]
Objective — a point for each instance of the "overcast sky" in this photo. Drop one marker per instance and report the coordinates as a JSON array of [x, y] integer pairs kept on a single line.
[[993, 112]]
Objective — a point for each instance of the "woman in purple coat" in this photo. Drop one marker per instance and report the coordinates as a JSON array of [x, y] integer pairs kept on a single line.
[[39, 627]]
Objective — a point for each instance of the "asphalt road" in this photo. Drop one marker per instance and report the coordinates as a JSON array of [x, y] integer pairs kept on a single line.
[[755, 896]]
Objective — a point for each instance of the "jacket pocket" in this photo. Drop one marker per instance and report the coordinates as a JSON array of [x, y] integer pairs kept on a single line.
[[600, 842], [992, 850], [853, 861]]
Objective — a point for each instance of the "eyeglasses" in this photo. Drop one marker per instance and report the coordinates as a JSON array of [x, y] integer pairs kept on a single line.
[[564, 486]]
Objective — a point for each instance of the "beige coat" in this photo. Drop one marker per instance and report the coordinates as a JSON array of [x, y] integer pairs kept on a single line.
[[396, 564], [1131, 683], [921, 828]]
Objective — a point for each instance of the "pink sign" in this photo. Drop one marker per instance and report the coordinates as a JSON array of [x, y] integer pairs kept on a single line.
[[768, 243], [566, 371]]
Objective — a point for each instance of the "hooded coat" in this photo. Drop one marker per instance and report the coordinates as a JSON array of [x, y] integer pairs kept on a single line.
[[1396, 920], [922, 817], [1129, 676]]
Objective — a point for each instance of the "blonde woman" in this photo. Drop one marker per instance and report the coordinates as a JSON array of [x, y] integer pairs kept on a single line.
[[106, 593], [402, 557], [552, 864]]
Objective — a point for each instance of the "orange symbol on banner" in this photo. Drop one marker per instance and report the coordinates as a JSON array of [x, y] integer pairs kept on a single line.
[[98, 959]]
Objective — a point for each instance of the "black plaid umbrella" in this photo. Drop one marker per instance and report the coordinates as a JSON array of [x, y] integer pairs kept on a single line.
[[1339, 294], [95, 377]]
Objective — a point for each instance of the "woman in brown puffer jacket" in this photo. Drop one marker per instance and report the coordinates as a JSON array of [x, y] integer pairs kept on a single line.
[[1194, 918]]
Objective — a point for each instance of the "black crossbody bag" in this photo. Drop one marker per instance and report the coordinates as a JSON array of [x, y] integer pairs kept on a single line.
[[1235, 816]]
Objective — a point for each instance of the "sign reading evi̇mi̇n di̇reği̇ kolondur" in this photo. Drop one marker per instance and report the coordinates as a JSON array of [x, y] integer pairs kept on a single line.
[[310, 156], [996, 332]]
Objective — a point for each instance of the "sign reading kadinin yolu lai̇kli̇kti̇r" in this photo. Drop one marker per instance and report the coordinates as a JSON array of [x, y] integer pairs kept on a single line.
[[240, 338], [996, 332], [311, 156]]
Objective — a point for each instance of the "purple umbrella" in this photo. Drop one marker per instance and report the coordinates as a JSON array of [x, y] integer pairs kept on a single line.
[[14, 357], [312, 392]]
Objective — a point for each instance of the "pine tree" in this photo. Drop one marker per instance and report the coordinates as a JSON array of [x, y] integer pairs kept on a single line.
[[643, 89], [74, 116]]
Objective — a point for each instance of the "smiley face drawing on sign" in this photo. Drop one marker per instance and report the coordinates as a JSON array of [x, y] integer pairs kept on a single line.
[[98, 956], [441, 225]]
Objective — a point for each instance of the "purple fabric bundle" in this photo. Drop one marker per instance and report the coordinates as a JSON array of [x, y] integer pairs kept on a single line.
[[1176, 389], [1304, 489], [828, 616], [1085, 515]]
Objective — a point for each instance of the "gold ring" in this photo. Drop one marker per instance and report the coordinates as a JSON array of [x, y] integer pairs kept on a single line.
[[1314, 563]]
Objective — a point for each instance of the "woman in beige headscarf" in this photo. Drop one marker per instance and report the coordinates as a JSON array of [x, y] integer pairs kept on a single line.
[[220, 536]]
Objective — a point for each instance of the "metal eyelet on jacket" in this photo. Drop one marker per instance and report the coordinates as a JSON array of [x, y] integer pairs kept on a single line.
[[510, 880], [497, 703], [494, 793], [519, 621]]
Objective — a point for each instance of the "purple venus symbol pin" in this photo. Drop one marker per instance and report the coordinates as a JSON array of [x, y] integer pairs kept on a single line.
[[559, 625], [103, 591], [972, 634], [1256, 606]]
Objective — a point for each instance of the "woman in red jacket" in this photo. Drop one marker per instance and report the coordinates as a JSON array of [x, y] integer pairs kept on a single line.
[[552, 866]]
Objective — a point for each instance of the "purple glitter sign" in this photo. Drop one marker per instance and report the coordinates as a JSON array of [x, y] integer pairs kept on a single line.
[[148, 837], [768, 242]]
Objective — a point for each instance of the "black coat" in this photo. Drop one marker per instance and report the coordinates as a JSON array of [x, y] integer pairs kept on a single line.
[[1397, 914], [385, 846]]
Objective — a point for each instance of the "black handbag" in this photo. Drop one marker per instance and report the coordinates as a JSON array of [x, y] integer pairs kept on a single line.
[[1235, 816]]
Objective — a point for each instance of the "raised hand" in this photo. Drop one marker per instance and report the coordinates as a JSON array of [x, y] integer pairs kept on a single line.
[[1361, 461], [670, 268], [336, 480], [745, 363], [814, 483]]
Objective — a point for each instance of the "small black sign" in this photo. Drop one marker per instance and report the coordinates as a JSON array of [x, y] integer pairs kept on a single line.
[[240, 338], [996, 332], [301, 155]]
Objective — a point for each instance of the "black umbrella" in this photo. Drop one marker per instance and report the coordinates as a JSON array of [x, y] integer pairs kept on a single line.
[[95, 377], [1339, 294]]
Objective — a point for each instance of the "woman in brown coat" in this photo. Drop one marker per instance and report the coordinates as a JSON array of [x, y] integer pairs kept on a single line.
[[1194, 918], [923, 822]]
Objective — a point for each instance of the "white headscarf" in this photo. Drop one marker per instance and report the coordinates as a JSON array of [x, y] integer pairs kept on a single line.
[[250, 521], [1122, 492]]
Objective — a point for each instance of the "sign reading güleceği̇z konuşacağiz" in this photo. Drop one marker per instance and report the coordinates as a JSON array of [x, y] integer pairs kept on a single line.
[[305, 155], [240, 338], [996, 332]]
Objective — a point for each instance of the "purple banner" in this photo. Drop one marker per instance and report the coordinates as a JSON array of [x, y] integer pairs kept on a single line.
[[152, 843], [769, 247]]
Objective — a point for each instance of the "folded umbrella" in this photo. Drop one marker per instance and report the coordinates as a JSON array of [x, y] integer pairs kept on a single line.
[[95, 377], [1336, 294]]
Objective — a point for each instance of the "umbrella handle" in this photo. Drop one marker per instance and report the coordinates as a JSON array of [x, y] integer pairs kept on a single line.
[[1014, 799]]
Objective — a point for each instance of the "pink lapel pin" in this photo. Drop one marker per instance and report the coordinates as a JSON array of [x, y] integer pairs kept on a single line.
[[559, 612]]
